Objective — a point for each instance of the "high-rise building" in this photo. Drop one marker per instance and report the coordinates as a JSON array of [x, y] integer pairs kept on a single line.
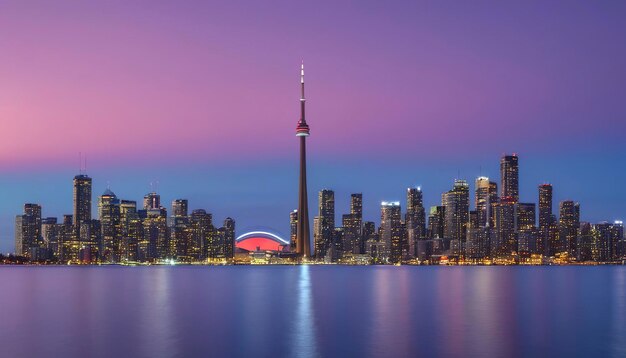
[[180, 207], [50, 234], [356, 222], [585, 242], [28, 230], [545, 217], [415, 218], [201, 226], [229, 238], [486, 195], [505, 238], [325, 225], [436, 218], [509, 174], [132, 231], [456, 202], [569, 224], [151, 200], [527, 236], [111, 226], [303, 243], [616, 246], [391, 229], [82, 201]]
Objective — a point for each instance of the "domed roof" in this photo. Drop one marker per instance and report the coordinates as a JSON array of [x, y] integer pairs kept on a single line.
[[108, 192]]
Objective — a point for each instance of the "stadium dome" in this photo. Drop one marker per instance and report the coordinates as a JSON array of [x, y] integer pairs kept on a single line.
[[260, 240]]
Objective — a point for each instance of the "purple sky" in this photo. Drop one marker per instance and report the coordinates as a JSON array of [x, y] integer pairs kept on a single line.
[[203, 97]]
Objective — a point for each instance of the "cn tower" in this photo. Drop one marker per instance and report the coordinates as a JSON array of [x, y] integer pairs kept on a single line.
[[303, 241]]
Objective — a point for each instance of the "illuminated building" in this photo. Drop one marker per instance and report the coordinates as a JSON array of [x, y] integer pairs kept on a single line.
[[303, 243], [486, 195], [110, 224], [355, 223], [156, 236], [260, 241], [545, 217], [553, 242], [391, 229], [568, 226], [601, 242], [616, 243], [50, 234], [505, 239], [456, 216], [509, 174], [82, 201], [586, 242], [151, 200], [436, 219], [67, 236], [351, 240], [131, 231], [201, 227], [325, 223], [180, 207], [229, 238], [415, 218], [293, 226], [180, 231], [28, 230]]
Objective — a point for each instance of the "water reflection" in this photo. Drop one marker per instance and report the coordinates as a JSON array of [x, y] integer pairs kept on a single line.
[[309, 311], [304, 339]]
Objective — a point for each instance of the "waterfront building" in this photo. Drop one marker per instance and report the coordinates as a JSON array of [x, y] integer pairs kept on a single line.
[[456, 217], [28, 230], [415, 219], [569, 224], [505, 243], [486, 195], [391, 229], [111, 227], [509, 175]]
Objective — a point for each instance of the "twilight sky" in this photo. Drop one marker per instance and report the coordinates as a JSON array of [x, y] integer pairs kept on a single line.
[[202, 97]]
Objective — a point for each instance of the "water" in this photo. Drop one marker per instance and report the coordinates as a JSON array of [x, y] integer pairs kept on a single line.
[[303, 311]]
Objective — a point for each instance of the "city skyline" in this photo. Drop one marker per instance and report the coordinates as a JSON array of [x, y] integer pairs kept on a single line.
[[217, 130]]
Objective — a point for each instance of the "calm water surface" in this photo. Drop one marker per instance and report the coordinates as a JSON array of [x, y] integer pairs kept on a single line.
[[308, 311]]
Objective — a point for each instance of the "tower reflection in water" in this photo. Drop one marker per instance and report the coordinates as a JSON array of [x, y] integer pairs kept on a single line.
[[304, 343]]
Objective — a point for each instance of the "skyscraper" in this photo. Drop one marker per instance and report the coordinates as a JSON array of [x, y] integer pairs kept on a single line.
[[28, 230], [303, 244], [505, 243], [509, 174], [569, 223], [180, 207], [525, 214], [229, 238], [151, 200], [545, 217], [110, 224], [391, 229], [415, 218], [352, 239], [325, 222], [82, 200], [456, 202], [486, 196]]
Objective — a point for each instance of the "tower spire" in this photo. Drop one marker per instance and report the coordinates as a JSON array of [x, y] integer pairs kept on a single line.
[[302, 130]]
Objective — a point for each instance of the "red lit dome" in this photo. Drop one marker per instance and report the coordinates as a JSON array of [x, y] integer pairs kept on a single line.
[[260, 240]]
